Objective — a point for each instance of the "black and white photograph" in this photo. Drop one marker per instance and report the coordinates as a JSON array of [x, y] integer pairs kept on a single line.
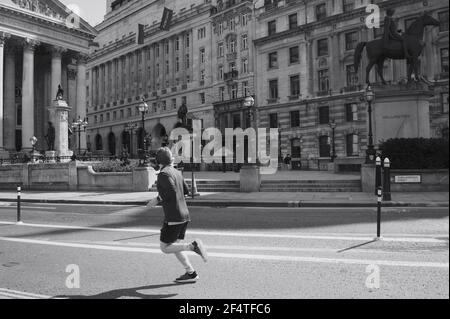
[[224, 155]]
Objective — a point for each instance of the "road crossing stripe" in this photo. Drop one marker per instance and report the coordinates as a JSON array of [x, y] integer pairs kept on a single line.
[[241, 256], [237, 234]]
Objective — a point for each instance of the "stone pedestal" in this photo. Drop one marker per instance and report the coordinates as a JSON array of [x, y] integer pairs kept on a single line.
[[401, 111], [59, 116], [143, 179], [51, 156], [250, 179]]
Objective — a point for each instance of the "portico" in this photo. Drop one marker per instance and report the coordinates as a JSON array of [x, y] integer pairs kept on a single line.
[[39, 50]]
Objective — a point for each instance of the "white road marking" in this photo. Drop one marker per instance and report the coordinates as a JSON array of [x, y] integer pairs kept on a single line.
[[21, 294], [241, 234], [27, 207], [240, 256]]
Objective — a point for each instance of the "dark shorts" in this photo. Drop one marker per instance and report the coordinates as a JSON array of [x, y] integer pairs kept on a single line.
[[171, 234]]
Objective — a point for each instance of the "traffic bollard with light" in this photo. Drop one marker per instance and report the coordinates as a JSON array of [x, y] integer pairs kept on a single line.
[[377, 174], [387, 180], [380, 197], [19, 219]]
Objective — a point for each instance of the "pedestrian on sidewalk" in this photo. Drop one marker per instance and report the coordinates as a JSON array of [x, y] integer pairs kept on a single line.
[[172, 190]]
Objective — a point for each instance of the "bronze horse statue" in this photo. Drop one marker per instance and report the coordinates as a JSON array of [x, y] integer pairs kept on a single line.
[[377, 53]]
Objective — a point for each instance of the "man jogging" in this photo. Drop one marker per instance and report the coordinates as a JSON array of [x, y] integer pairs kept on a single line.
[[172, 190]]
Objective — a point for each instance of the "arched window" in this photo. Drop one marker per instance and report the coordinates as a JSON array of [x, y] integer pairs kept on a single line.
[[98, 143], [112, 143]]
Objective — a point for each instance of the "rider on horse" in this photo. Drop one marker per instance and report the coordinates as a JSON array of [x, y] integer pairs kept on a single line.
[[391, 33]]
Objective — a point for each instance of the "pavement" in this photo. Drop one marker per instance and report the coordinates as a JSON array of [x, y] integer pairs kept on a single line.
[[273, 199]]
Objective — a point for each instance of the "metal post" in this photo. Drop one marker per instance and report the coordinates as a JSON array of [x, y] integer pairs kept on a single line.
[[380, 197], [19, 219], [377, 175], [387, 180]]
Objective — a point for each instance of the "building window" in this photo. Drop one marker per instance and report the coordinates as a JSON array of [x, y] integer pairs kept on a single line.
[[167, 47], [202, 98], [273, 60], [273, 89], [244, 42], [108, 117], [272, 27], [292, 21], [187, 61], [187, 41], [121, 114], [101, 118], [352, 77], [295, 118], [157, 69], [222, 93], [220, 49], [295, 85], [245, 88], [114, 116], [220, 30], [245, 19], [324, 115], [234, 91], [202, 55], [202, 75], [244, 66], [157, 50], [232, 66], [348, 5], [352, 142], [444, 60], [351, 112], [201, 33], [324, 146], [351, 40], [98, 142], [164, 106], [232, 46], [174, 103], [443, 21], [324, 83], [177, 44], [322, 47], [231, 24], [177, 64], [220, 72], [321, 11], [273, 120], [129, 112], [294, 55], [167, 68]]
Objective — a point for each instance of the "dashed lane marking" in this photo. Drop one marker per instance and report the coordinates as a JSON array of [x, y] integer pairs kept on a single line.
[[240, 256]]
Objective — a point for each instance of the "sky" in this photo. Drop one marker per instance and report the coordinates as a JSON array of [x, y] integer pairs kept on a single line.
[[92, 11]]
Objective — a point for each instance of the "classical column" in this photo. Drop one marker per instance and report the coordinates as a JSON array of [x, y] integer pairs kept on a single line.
[[81, 94], [9, 99], [29, 46], [113, 81], [56, 70], [3, 37]]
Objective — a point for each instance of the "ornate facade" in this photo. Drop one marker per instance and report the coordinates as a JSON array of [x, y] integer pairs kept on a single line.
[[42, 45], [169, 69]]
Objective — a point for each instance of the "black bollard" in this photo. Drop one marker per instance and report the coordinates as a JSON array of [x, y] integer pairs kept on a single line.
[[387, 180], [377, 175], [380, 196], [19, 219]]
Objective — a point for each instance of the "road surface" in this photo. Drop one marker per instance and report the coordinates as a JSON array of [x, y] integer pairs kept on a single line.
[[95, 251]]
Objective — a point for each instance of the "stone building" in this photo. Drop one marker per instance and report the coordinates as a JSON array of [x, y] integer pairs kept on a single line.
[[168, 68], [306, 78], [42, 45], [233, 26]]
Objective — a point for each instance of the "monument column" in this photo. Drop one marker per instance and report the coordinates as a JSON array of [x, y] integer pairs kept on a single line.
[[56, 70], [29, 46], [81, 94], [9, 99]]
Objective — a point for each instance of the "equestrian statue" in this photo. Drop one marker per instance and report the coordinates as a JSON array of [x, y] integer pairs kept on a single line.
[[407, 46]]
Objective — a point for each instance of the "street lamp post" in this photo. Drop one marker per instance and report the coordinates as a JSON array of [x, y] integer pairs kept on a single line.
[[79, 126], [370, 153], [333, 126], [249, 103], [130, 128], [143, 108]]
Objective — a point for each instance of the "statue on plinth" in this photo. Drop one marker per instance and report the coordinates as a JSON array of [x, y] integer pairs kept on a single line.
[[60, 94], [182, 114], [407, 47]]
